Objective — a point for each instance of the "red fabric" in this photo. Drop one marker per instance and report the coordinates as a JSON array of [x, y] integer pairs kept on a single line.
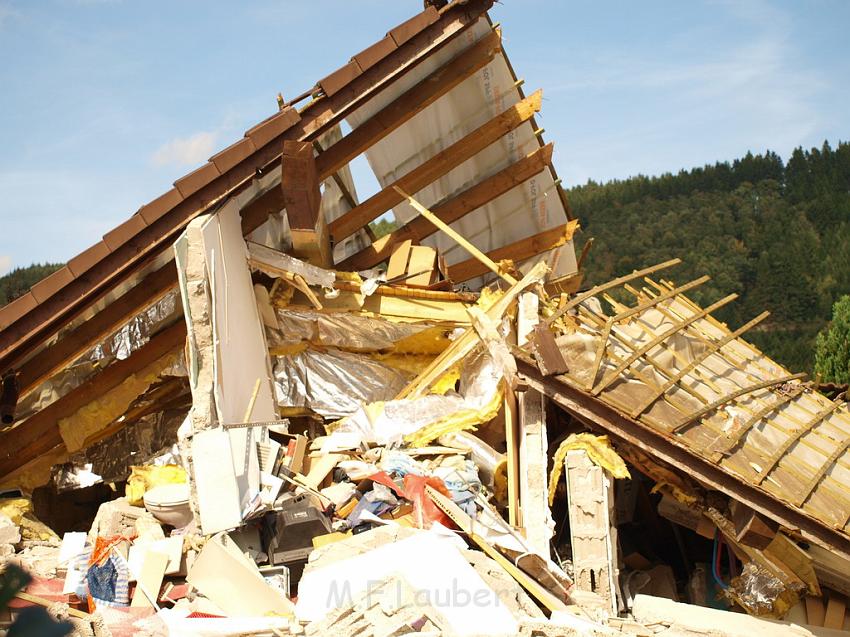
[[424, 509], [382, 478]]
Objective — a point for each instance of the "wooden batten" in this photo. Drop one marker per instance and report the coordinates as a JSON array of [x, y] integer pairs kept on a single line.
[[403, 108], [75, 343], [516, 251], [40, 432], [436, 167], [454, 208]]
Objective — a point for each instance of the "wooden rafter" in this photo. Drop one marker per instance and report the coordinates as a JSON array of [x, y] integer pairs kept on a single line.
[[644, 378], [75, 343], [435, 167], [715, 347], [792, 440], [741, 391], [39, 433], [641, 307], [453, 209], [609, 285], [406, 106], [647, 380], [517, 251], [644, 349]]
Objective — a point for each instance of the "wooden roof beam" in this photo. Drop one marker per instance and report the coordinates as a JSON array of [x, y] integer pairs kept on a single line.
[[39, 433], [409, 104], [453, 209], [435, 167]]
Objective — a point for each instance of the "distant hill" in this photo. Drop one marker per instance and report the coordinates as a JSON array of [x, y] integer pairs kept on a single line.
[[776, 233], [20, 280]]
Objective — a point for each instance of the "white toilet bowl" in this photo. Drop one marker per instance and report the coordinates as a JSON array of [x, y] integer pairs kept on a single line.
[[169, 503]]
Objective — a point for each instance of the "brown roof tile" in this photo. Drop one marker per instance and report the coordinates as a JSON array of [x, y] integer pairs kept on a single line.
[[406, 30], [50, 284], [120, 235], [87, 258], [339, 78], [369, 57], [197, 179], [152, 211], [268, 129], [233, 154], [11, 312]]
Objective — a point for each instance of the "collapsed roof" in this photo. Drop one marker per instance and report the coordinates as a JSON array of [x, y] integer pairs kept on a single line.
[[440, 115], [437, 110]]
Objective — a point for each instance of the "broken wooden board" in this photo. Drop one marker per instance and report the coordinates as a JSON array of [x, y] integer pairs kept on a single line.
[[465, 523], [547, 354]]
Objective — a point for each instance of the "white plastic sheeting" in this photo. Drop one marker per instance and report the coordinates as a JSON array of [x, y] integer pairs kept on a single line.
[[523, 211]]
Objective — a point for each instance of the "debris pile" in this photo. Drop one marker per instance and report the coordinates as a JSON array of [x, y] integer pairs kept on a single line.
[[255, 417]]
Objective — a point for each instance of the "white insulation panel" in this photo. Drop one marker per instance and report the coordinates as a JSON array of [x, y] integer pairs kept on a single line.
[[524, 211]]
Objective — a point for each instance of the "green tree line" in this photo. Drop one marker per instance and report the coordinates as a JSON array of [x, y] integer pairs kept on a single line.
[[776, 233], [20, 280]]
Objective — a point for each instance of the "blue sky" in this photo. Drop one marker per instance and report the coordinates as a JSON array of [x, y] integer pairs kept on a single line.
[[106, 102]]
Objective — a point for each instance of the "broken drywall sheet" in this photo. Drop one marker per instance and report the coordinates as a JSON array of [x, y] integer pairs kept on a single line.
[[228, 365], [243, 389], [532, 207]]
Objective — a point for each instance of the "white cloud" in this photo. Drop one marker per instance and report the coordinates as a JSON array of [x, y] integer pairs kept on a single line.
[[682, 104], [186, 151], [5, 263], [7, 12]]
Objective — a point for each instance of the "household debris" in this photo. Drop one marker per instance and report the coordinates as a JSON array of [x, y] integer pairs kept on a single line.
[[244, 413]]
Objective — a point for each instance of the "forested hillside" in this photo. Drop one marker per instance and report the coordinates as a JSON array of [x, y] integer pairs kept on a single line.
[[777, 234], [20, 280]]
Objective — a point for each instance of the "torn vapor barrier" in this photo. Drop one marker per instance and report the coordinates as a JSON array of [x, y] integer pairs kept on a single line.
[[333, 383], [344, 331], [331, 364], [421, 420], [150, 440], [121, 344]]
